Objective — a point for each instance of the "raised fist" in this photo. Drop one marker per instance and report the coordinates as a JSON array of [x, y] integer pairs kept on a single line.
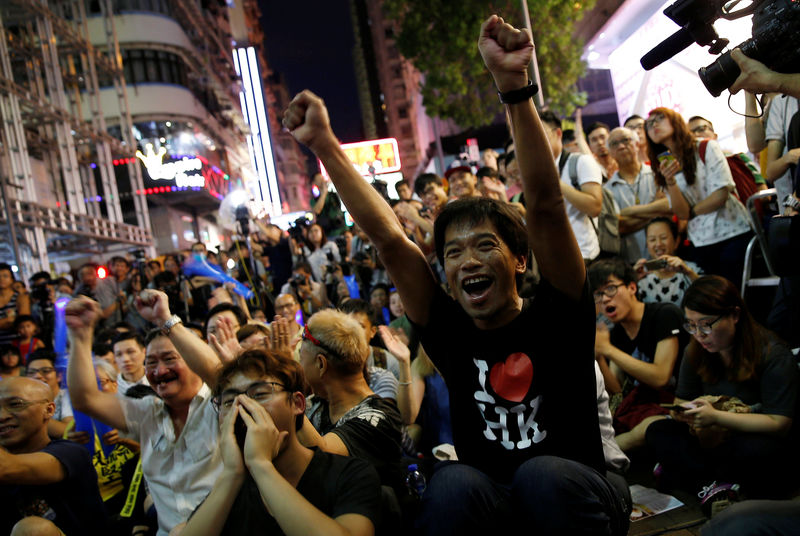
[[153, 306], [307, 119], [81, 314], [507, 52]]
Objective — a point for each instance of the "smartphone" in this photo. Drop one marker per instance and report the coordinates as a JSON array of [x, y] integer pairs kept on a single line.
[[680, 407], [655, 264], [240, 431], [665, 158]]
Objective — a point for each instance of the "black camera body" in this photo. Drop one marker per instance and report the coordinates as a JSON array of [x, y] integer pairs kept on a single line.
[[776, 25], [775, 43]]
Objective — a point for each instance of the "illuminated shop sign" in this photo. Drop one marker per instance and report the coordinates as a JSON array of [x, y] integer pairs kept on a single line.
[[383, 156], [185, 172]]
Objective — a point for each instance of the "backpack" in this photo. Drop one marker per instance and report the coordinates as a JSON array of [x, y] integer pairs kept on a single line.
[[745, 177], [607, 228]]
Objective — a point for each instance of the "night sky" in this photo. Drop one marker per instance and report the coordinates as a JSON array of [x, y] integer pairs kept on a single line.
[[311, 45]]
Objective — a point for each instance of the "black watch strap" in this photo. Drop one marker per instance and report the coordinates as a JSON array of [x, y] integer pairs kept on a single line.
[[522, 94]]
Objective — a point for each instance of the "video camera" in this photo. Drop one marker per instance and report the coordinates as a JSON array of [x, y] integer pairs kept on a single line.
[[776, 25]]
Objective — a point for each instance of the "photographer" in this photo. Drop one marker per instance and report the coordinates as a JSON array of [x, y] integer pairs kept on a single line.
[[310, 294], [43, 297]]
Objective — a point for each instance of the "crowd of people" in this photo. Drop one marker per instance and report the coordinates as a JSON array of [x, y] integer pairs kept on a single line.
[[520, 332]]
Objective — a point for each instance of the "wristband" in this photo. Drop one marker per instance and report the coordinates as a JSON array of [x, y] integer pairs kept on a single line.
[[522, 94], [792, 202]]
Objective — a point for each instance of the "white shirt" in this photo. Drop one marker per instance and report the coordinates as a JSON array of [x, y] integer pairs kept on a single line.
[[180, 471], [63, 405], [641, 192], [615, 458], [781, 111], [729, 220], [123, 385], [588, 170]]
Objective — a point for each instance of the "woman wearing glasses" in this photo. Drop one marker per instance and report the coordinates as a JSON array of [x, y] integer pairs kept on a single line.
[[730, 355], [701, 190]]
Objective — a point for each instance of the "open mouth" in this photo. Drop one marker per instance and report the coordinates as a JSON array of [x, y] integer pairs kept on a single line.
[[164, 381], [7, 429], [476, 287], [610, 311]]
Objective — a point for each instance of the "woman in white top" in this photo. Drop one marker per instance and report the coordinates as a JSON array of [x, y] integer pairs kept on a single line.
[[319, 252], [700, 190]]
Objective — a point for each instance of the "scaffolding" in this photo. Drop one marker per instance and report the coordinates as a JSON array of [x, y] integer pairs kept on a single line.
[[49, 71]]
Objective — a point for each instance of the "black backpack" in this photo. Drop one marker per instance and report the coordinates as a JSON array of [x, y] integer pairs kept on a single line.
[[607, 228]]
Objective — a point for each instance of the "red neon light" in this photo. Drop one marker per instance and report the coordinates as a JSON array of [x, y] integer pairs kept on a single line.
[[101, 272]]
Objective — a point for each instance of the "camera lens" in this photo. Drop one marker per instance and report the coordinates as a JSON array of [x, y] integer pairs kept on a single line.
[[720, 75]]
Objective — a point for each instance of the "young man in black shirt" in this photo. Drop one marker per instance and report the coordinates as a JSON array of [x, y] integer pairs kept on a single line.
[[529, 445], [644, 346], [271, 484]]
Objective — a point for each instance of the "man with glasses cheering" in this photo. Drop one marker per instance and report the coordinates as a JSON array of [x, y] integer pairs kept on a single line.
[[271, 483], [46, 486], [634, 189]]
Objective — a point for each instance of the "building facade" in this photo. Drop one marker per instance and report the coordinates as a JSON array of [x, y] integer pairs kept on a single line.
[[126, 122]]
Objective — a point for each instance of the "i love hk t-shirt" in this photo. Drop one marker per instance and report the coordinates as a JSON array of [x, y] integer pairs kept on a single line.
[[522, 390]]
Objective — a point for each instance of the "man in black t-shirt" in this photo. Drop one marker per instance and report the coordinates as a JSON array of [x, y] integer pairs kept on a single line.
[[271, 483], [530, 449], [645, 346], [44, 485]]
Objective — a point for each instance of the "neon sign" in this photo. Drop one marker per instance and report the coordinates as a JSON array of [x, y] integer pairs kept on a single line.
[[185, 172], [383, 156]]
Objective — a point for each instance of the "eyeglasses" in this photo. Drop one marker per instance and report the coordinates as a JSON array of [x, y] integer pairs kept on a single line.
[[623, 141], [17, 405], [701, 128], [651, 121], [260, 392], [636, 126], [703, 327], [610, 291], [44, 371]]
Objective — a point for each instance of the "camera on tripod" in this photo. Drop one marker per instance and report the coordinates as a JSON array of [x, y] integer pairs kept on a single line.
[[775, 43]]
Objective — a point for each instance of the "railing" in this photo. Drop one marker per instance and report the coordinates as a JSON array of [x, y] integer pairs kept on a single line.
[[58, 220]]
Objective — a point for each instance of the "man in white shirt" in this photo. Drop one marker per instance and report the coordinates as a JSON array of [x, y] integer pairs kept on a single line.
[[128, 350], [634, 189], [177, 430], [583, 203]]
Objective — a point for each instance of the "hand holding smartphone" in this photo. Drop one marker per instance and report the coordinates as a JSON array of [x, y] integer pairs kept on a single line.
[[655, 264]]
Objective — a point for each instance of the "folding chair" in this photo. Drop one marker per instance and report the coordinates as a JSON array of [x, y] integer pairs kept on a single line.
[[760, 207]]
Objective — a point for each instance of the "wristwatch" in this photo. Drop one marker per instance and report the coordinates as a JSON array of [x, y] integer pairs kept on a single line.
[[169, 324], [522, 94]]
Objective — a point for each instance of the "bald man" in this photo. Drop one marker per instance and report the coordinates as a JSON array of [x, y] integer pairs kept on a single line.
[[46, 486]]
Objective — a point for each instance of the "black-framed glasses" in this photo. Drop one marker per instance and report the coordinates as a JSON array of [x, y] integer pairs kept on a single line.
[[703, 327], [259, 391], [609, 291], [16, 405], [44, 371]]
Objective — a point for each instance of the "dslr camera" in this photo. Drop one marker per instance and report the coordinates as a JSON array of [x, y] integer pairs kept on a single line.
[[775, 42]]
